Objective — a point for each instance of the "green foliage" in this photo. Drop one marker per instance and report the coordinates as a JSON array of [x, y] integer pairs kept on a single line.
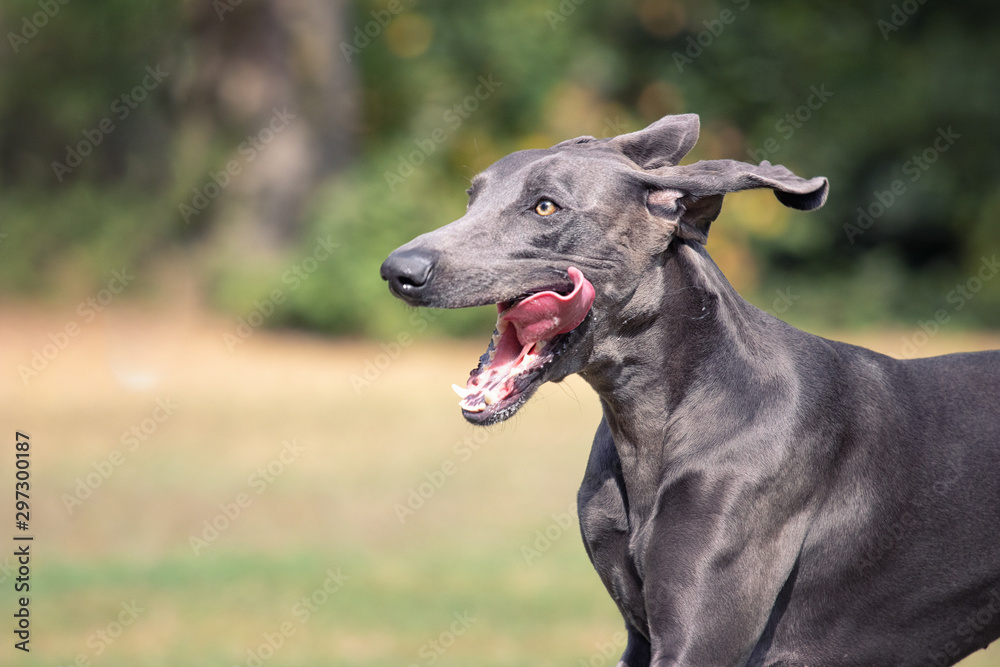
[[892, 79], [62, 79], [71, 242]]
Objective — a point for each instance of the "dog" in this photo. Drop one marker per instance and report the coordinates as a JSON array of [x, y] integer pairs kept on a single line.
[[755, 495]]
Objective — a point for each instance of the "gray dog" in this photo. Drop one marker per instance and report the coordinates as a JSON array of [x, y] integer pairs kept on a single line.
[[755, 495]]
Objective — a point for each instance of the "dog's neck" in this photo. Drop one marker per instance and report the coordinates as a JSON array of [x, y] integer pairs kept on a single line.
[[653, 367]]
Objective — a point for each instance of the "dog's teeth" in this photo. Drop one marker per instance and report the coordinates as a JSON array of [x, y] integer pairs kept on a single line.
[[471, 408], [461, 391], [539, 346], [490, 396], [493, 353], [502, 326]]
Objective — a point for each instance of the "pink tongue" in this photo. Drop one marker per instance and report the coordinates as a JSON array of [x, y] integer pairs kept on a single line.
[[546, 314]]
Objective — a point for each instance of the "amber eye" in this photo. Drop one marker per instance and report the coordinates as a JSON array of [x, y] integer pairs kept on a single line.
[[546, 207]]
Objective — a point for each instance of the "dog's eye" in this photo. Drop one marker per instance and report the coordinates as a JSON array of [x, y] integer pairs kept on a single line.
[[546, 207]]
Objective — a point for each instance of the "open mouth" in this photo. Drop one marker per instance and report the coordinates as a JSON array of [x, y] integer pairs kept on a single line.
[[531, 331]]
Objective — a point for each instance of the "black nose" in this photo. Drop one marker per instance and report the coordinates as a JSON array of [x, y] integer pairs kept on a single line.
[[408, 271]]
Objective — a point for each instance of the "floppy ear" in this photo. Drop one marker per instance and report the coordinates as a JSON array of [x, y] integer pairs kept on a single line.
[[717, 177], [661, 144], [692, 194], [689, 214]]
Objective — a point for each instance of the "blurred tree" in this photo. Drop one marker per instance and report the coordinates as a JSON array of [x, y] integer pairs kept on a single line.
[[128, 127], [267, 78]]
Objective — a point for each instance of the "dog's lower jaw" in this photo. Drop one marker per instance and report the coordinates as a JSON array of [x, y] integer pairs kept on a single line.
[[568, 357]]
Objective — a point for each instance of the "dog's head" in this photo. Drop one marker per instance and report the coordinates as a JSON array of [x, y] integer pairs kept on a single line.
[[558, 238]]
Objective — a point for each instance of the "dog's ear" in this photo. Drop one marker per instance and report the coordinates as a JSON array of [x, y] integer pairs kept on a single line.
[[692, 194], [687, 216], [662, 144], [717, 177]]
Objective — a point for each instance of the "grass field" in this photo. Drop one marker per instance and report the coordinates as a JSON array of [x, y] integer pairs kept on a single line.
[[312, 560]]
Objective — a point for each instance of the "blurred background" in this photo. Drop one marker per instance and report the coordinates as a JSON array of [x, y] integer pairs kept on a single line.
[[246, 452]]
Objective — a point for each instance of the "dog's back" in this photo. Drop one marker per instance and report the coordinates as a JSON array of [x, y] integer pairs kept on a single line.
[[901, 565]]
